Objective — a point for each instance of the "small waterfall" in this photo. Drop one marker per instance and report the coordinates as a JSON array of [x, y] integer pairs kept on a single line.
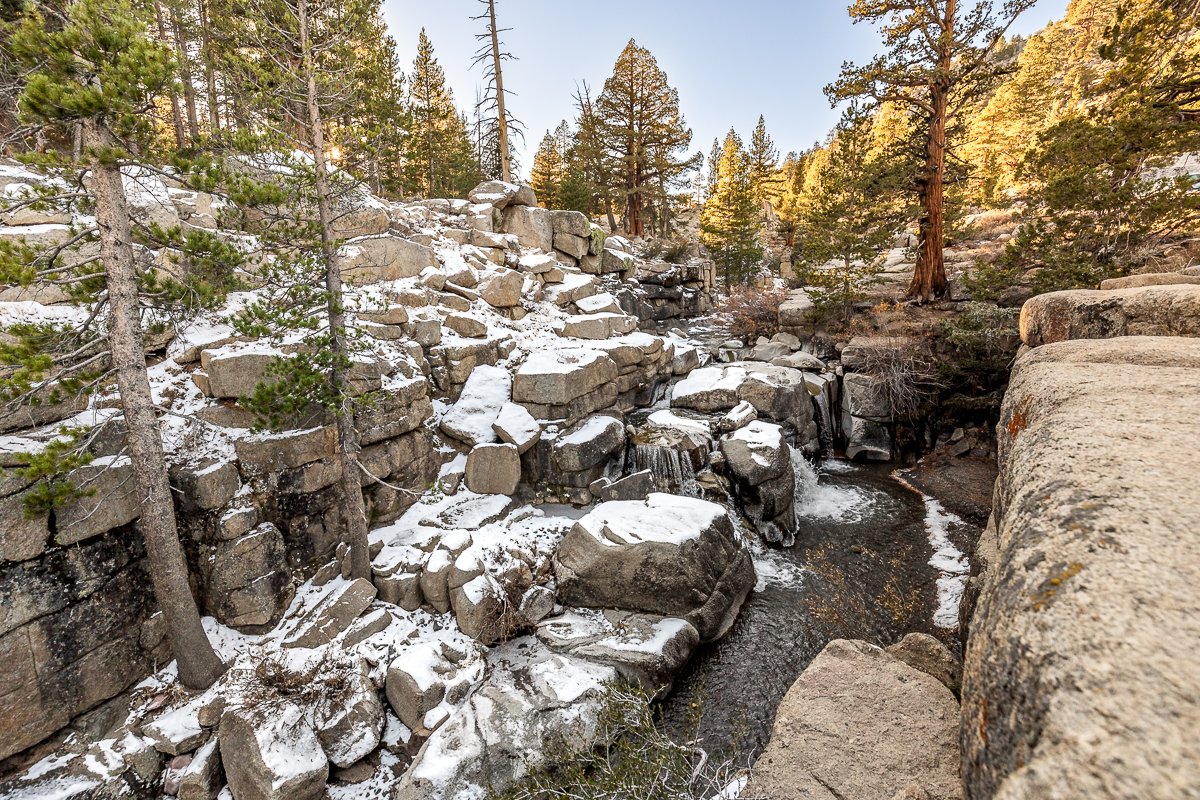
[[825, 422], [815, 500], [672, 469]]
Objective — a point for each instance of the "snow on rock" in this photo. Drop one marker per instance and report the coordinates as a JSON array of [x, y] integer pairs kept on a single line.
[[709, 389], [533, 703], [483, 397], [272, 753], [667, 555], [516, 426]]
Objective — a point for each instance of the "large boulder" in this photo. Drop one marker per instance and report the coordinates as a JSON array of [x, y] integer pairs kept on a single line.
[[341, 605], [1172, 310], [500, 195], [589, 444], [1080, 676], [859, 723], [648, 651], [866, 415], [248, 583], [797, 312], [759, 460], [668, 555], [502, 289], [534, 703], [471, 417], [387, 257], [272, 753], [556, 377], [493, 469], [531, 225], [349, 716]]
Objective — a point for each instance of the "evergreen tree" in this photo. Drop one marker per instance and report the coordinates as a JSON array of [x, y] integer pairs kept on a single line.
[[714, 166], [938, 60], [644, 133], [1106, 196], [729, 221], [849, 213], [439, 158], [764, 163], [549, 170], [591, 167], [100, 73]]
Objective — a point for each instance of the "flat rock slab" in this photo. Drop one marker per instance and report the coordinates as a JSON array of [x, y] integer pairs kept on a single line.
[[1171, 310], [861, 724], [1081, 676], [332, 615]]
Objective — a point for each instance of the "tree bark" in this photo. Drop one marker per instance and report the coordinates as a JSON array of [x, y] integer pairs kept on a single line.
[[502, 115], [354, 509], [185, 74], [210, 76], [929, 277], [199, 664]]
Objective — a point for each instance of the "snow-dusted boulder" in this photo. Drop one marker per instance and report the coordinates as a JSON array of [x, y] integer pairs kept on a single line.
[[502, 289], [516, 426], [589, 444], [669, 555], [531, 225], [533, 704], [501, 195], [386, 257], [709, 389], [483, 396], [271, 752], [760, 462], [597, 326], [556, 377], [647, 650], [493, 469], [349, 717]]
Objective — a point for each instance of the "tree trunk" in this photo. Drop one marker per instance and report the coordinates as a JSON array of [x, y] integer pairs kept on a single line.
[[929, 277], [210, 75], [199, 664], [350, 487], [176, 114], [185, 75], [505, 167]]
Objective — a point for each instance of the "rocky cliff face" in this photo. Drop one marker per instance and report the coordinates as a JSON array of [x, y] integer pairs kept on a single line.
[[1080, 677]]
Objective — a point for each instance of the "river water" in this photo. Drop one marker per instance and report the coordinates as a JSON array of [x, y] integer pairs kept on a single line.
[[873, 560]]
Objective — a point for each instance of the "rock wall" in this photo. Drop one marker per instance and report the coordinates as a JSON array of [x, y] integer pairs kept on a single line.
[[1080, 677]]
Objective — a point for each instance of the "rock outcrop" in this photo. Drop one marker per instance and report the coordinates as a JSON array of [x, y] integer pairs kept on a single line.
[[667, 555], [1080, 677], [861, 724]]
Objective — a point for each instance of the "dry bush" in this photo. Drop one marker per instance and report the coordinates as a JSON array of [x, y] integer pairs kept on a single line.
[[752, 311], [906, 373]]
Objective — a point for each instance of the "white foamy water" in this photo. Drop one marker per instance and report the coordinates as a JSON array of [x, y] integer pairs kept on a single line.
[[774, 569], [948, 560], [819, 501]]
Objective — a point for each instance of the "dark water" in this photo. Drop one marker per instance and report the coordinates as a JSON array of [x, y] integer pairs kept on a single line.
[[859, 570]]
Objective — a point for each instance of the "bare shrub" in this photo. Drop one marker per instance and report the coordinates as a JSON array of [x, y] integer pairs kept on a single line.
[[752, 311], [632, 758], [905, 372]]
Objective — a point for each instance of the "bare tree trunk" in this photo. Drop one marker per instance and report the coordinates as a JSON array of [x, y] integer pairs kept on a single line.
[[350, 486], [505, 167], [199, 664], [185, 75], [210, 77], [929, 277], [176, 115]]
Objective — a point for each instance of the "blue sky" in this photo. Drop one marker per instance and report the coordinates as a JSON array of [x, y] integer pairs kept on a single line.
[[730, 59]]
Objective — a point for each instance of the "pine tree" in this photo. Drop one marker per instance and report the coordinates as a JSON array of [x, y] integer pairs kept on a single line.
[[714, 166], [313, 87], [729, 221], [938, 60], [764, 163], [644, 134], [101, 73], [440, 160], [849, 213], [549, 170], [1105, 196]]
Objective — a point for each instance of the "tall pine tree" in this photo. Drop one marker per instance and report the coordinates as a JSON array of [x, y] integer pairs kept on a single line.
[[764, 163], [645, 136], [938, 61], [439, 158], [729, 222]]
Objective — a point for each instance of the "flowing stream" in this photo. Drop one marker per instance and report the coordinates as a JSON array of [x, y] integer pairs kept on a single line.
[[873, 560]]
